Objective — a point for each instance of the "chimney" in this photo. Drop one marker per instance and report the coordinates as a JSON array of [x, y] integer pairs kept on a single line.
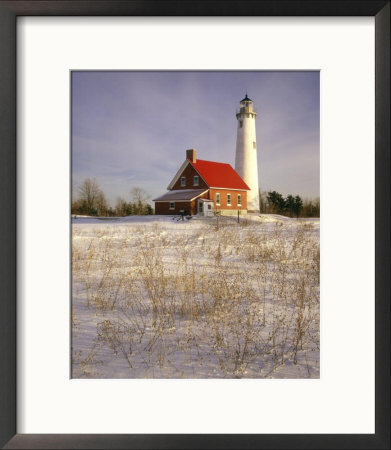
[[191, 154]]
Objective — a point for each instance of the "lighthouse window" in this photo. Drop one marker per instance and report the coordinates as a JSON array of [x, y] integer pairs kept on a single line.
[[196, 180], [228, 199], [218, 199], [239, 200], [183, 181], [241, 123], [254, 144]]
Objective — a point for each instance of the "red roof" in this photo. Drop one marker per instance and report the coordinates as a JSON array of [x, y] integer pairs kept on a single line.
[[219, 175]]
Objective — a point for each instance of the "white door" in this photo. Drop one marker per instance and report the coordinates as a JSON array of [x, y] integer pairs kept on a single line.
[[210, 208]]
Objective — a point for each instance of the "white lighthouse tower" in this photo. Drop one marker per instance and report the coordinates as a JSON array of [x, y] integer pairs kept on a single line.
[[246, 164]]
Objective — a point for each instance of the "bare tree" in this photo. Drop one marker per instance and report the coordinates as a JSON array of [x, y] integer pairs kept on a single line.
[[262, 201], [139, 197], [121, 207], [92, 198]]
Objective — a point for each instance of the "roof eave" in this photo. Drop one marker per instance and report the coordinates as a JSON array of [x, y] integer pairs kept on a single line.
[[158, 199], [178, 174], [230, 188], [202, 193]]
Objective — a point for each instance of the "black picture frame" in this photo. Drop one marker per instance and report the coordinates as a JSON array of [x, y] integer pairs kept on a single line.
[[9, 11]]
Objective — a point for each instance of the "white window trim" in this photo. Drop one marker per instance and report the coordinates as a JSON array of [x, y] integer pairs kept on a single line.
[[218, 199], [240, 197], [198, 180], [183, 181], [171, 203], [229, 200]]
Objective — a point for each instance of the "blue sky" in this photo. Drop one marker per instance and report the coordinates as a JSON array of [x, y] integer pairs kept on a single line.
[[131, 129]]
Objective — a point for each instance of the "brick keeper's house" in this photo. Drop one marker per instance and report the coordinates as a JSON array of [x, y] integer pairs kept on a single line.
[[203, 187]]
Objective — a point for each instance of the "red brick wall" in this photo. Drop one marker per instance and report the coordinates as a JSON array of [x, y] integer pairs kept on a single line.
[[189, 173], [223, 199], [164, 207]]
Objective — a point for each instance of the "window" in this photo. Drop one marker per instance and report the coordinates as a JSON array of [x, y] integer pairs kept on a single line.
[[209, 206], [218, 199], [254, 144], [228, 199], [183, 181], [241, 123], [195, 180], [239, 199], [172, 205]]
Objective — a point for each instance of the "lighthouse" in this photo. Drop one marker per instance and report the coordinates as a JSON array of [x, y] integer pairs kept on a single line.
[[246, 164]]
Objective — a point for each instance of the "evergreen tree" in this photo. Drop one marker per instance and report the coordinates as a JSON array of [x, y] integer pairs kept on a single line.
[[129, 209], [298, 205], [290, 204], [276, 200]]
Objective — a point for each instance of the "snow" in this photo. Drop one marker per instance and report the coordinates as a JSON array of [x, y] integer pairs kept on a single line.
[[154, 297]]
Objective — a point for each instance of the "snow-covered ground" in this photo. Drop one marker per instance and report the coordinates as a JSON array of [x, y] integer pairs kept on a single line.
[[155, 297]]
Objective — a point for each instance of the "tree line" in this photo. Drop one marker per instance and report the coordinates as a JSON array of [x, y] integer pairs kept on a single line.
[[273, 202], [90, 200]]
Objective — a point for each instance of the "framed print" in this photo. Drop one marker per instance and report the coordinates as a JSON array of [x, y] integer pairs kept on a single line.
[[162, 342], [183, 276]]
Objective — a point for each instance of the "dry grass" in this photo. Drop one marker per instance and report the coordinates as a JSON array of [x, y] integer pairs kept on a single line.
[[236, 301]]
